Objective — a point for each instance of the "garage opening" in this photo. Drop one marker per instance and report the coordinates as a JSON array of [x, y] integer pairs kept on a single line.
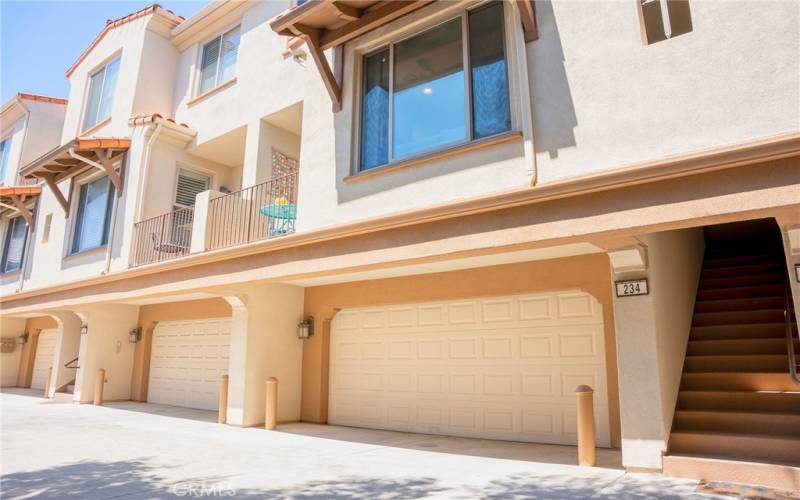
[[502, 368], [43, 360], [187, 360]]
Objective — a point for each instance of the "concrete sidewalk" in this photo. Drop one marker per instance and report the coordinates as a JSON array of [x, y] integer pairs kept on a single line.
[[137, 450]]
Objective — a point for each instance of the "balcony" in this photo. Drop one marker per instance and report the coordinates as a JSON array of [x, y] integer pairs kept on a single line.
[[218, 220]]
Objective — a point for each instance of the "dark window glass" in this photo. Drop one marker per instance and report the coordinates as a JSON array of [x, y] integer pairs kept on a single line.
[[375, 121], [14, 247], [93, 216], [491, 113]]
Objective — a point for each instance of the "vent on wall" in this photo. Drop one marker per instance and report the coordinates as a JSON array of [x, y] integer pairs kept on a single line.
[[664, 19]]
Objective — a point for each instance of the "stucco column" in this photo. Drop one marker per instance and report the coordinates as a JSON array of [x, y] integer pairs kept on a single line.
[[790, 231], [264, 344], [106, 345], [260, 139], [68, 339]]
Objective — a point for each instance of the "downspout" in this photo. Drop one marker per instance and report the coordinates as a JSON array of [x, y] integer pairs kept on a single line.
[[143, 170]]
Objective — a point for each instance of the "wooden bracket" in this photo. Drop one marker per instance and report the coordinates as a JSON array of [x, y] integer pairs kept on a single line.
[[312, 38], [105, 160], [51, 183], [527, 11], [19, 202], [346, 12]]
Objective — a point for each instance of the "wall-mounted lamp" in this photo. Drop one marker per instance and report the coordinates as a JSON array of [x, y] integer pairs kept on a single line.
[[23, 338], [305, 329], [135, 335], [84, 329]]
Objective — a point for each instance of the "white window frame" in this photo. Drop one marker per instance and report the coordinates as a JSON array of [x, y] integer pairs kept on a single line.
[[5, 160], [75, 206], [202, 46], [359, 58], [101, 67]]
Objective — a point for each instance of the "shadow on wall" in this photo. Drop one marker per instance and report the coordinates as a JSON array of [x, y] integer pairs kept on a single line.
[[553, 112]]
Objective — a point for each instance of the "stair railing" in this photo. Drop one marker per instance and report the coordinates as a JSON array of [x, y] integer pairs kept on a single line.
[[787, 318], [69, 364]]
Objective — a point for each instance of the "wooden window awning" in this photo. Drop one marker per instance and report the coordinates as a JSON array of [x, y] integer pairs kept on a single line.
[[326, 24], [19, 199], [74, 157]]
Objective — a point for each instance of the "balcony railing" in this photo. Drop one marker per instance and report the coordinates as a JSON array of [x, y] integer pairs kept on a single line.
[[163, 237], [258, 212]]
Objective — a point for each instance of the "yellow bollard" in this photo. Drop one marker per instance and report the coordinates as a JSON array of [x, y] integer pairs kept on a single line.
[[223, 400], [271, 413], [586, 450], [48, 382], [99, 382]]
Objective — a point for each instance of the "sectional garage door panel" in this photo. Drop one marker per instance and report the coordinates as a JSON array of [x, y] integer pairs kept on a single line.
[[498, 368], [45, 351], [188, 358]]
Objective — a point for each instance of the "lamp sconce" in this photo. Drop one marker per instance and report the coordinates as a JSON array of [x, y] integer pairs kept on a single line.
[[305, 329], [135, 335], [23, 338], [84, 329]]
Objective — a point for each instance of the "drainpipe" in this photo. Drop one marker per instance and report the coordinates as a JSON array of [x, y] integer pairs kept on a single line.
[[114, 210], [144, 168]]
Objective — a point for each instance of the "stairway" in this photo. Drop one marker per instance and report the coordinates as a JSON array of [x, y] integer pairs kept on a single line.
[[738, 411], [65, 396]]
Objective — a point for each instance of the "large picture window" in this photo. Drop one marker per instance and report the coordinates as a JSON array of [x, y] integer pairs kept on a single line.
[[444, 86], [101, 94], [218, 61], [14, 245], [93, 215]]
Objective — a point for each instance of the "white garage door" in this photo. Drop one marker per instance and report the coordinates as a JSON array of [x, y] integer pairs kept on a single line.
[[188, 358], [45, 350], [496, 368]]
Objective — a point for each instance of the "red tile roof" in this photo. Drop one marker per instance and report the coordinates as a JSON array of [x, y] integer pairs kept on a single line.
[[135, 121], [41, 98], [114, 23]]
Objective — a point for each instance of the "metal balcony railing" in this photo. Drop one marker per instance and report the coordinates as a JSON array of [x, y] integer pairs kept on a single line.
[[163, 237], [261, 211]]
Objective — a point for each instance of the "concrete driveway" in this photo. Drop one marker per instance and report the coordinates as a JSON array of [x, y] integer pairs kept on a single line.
[[136, 450]]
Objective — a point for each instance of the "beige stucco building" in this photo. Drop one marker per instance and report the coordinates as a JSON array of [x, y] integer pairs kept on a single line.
[[480, 205]]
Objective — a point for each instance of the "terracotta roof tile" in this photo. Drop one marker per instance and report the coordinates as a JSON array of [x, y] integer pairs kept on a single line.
[[135, 121], [114, 23], [41, 98]]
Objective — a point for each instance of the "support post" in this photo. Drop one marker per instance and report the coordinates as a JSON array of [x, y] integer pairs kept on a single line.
[[585, 411], [99, 382], [223, 400], [48, 382], [271, 414]]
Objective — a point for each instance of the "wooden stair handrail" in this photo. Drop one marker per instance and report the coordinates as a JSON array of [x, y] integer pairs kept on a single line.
[[787, 318], [68, 363]]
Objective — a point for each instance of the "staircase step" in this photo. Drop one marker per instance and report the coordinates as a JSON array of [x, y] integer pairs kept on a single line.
[[738, 446], [720, 347], [729, 332], [741, 292], [739, 304], [740, 401], [739, 260], [741, 281], [742, 270], [62, 397], [738, 381], [780, 424], [710, 468], [759, 363], [738, 317]]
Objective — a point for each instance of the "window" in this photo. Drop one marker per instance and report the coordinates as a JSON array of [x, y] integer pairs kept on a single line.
[[665, 19], [101, 94], [418, 96], [5, 151], [218, 62], [93, 216], [14, 245], [190, 184]]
